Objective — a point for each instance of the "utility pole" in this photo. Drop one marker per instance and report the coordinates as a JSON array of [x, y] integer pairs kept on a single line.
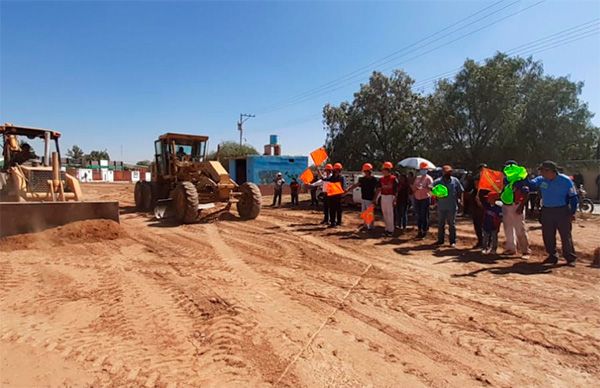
[[243, 118]]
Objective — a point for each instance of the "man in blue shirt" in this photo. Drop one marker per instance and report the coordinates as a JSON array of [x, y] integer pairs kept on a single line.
[[559, 205], [448, 206]]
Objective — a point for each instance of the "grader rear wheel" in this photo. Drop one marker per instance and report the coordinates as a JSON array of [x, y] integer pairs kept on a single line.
[[185, 202], [250, 202]]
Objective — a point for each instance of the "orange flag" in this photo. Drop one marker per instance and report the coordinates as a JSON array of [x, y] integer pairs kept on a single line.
[[319, 156], [368, 215], [307, 176], [491, 180], [334, 188]]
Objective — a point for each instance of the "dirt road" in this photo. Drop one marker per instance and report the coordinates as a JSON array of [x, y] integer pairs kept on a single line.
[[282, 301]]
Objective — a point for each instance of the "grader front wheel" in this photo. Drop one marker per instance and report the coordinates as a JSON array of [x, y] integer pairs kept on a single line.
[[250, 201], [185, 202], [143, 196]]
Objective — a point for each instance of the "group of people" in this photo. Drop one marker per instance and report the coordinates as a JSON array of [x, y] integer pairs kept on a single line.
[[278, 184], [397, 192]]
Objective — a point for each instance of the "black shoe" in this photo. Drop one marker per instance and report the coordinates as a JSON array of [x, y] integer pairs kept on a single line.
[[553, 260], [571, 261], [324, 222], [332, 225], [438, 242], [420, 235]]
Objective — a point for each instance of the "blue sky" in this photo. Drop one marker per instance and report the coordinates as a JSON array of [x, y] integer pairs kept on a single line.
[[112, 74]]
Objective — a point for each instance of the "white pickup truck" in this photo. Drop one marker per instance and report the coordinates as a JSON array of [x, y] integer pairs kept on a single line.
[[354, 198]]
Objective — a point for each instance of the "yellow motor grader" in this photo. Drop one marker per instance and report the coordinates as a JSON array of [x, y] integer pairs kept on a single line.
[[35, 193], [184, 182]]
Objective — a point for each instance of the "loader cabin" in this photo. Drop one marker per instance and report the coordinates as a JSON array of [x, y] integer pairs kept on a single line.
[[178, 147], [16, 140]]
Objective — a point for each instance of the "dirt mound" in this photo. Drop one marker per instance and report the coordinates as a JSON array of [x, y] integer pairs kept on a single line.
[[73, 233]]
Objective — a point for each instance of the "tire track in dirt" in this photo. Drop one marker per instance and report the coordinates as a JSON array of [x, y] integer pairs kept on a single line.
[[295, 317], [336, 252], [474, 334]]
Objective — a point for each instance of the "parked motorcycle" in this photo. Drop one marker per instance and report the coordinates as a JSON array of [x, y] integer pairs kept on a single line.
[[586, 205]]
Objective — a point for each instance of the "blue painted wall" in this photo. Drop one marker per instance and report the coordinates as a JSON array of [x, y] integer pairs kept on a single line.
[[232, 169], [262, 169]]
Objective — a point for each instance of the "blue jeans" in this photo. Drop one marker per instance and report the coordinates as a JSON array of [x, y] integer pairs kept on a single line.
[[422, 208], [447, 216]]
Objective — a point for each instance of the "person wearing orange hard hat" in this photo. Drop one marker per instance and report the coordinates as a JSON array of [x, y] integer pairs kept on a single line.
[[421, 188], [386, 190], [323, 183], [335, 189], [368, 185]]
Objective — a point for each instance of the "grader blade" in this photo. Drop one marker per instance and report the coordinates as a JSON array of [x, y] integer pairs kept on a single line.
[[163, 209], [29, 217]]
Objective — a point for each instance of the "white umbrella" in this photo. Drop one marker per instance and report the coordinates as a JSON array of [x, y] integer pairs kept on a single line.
[[415, 162]]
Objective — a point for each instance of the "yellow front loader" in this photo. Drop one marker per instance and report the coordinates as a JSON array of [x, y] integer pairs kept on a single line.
[[35, 193]]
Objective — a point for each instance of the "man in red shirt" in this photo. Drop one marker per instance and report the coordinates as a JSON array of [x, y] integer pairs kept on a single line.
[[387, 189]]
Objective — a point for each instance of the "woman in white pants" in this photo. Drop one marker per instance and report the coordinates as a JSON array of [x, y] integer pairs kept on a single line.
[[387, 190]]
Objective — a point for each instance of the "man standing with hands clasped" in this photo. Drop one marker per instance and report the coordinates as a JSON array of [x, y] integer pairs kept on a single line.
[[559, 205]]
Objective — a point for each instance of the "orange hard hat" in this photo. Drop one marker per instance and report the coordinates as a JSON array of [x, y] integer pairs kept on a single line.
[[388, 166], [367, 167], [337, 166], [328, 166], [423, 165]]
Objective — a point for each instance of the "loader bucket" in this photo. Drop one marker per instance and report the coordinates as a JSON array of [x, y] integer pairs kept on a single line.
[[29, 217]]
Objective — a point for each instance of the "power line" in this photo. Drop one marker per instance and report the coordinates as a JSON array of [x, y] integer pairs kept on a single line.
[[325, 92], [322, 91], [395, 53], [558, 39], [575, 33]]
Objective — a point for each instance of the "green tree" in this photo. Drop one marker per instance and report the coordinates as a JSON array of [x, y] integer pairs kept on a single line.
[[231, 149], [506, 108], [75, 152], [383, 122], [474, 118], [98, 155], [556, 125], [143, 163]]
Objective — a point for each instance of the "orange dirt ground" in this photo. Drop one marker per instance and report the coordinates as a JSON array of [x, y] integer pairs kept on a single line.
[[283, 301]]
